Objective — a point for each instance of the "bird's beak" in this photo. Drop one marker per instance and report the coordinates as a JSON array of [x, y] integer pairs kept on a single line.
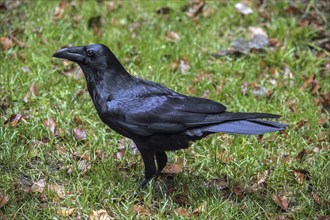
[[75, 54]]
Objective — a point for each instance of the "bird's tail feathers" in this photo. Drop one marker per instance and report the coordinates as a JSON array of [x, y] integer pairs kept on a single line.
[[241, 123]]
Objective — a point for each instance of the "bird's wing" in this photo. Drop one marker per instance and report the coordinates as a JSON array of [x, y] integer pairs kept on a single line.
[[164, 113]]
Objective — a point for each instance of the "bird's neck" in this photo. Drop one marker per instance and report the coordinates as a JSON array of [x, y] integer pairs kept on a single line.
[[103, 87]]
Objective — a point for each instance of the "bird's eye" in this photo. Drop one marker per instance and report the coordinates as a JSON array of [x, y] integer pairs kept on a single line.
[[90, 53]]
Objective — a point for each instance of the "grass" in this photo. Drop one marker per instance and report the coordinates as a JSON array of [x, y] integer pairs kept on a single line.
[[136, 34]]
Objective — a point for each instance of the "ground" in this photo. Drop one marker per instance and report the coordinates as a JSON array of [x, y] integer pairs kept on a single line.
[[58, 160]]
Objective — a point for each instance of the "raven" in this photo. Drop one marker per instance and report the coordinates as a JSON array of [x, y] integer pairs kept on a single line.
[[156, 118]]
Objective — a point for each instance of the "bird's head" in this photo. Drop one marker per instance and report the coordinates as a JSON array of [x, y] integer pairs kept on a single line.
[[93, 56]]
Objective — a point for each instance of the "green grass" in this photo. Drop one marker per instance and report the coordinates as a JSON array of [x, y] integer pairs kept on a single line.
[[110, 184]]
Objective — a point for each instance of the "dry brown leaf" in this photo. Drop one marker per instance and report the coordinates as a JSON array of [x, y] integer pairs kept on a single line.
[[172, 36], [61, 150], [3, 200], [172, 169], [83, 156], [208, 12], [195, 9], [38, 186], [238, 192], [164, 11], [99, 215], [140, 210], [253, 31], [243, 9], [301, 124], [302, 153], [84, 166], [260, 181], [323, 120], [282, 201], [219, 184], [316, 198], [79, 133], [197, 211], [119, 154], [65, 212], [57, 189], [324, 217], [50, 123], [6, 43], [281, 217], [100, 154], [182, 212], [181, 199], [14, 119], [184, 65], [301, 175], [32, 92], [59, 10]]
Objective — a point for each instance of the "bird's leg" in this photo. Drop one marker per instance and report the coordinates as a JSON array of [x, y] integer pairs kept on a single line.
[[149, 165], [161, 159]]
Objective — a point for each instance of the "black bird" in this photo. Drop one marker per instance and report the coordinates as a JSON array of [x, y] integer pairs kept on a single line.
[[156, 118]]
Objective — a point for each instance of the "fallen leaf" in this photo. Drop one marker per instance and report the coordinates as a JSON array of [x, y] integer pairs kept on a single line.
[[197, 211], [84, 166], [243, 9], [254, 31], [312, 83], [113, 5], [59, 10], [243, 46], [184, 65], [302, 153], [65, 212], [61, 150], [301, 175], [325, 217], [95, 24], [282, 201], [14, 119], [181, 199], [33, 91], [164, 11], [172, 169], [79, 133], [50, 123], [260, 181], [292, 10], [83, 156], [195, 8], [238, 192], [323, 120], [182, 212], [281, 217], [3, 200], [140, 210], [57, 189], [100, 154], [6, 43], [316, 198], [38, 186], [172, 36], [119, 154], [300, 124], [208, 12], [219, 184], [37, 143], [99, 215]]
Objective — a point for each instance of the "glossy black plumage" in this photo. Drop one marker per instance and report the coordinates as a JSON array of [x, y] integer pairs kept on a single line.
[[156, 118]]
